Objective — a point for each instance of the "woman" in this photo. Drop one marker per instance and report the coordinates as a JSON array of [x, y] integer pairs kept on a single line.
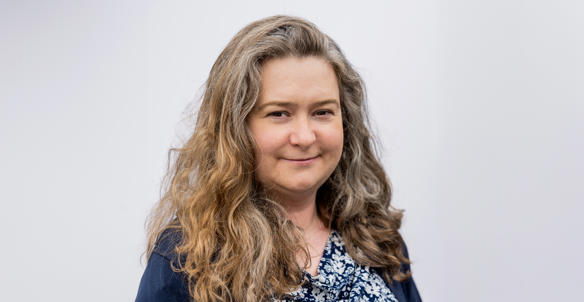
[[278, 194]]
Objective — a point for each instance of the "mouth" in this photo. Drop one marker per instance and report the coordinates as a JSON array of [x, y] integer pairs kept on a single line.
[[302, 161]]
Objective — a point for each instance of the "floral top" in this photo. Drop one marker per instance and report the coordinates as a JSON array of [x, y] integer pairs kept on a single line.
[[341, 279]]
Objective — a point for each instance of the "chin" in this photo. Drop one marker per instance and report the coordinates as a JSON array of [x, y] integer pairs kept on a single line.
[[303, 187]]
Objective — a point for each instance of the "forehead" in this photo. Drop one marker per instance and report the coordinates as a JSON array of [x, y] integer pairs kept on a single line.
[[298, 79]]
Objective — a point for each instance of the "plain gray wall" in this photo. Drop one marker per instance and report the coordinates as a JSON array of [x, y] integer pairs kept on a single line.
[[478, 106]]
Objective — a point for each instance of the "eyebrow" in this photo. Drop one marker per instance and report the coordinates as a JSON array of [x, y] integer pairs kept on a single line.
[[290, 104]]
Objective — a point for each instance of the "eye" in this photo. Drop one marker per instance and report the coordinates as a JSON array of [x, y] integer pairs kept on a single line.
[[323, 112], [278, 114]]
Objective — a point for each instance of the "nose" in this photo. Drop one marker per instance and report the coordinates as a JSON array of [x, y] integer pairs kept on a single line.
[[302, 134]]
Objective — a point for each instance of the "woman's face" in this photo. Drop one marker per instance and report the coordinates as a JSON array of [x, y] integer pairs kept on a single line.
[[297, 125]]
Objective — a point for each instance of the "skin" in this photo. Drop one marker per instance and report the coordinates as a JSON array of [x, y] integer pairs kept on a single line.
[[298, 129]]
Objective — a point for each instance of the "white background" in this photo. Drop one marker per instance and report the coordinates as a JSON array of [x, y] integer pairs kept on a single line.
[[478, 105]]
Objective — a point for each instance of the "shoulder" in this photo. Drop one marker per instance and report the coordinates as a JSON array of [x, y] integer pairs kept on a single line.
[[166, 244], [406, 290], [159, 281]]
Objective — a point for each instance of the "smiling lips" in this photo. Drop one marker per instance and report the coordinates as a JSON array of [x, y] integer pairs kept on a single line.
[[302, 161]]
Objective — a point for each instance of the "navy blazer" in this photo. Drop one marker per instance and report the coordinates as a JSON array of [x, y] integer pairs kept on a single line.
[[161, 284]]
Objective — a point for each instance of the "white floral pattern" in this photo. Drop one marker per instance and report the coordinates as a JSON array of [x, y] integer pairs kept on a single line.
[[341, 279]]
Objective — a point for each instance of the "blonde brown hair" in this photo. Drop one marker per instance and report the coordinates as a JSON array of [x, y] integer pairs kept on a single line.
[[236, 243]]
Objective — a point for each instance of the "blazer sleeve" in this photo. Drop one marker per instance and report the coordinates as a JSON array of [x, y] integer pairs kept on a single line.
[[405, 291], [409, 287], [159, 282]]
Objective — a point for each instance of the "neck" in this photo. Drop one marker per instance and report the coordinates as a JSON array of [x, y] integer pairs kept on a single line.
[[302, 212]]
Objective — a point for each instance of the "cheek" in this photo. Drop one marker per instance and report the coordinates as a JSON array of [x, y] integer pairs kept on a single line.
[[267, 143], [333, 140]]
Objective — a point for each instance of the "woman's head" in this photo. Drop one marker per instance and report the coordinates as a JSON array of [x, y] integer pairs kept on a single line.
[[236, 242], [297, 127], [235, 84]]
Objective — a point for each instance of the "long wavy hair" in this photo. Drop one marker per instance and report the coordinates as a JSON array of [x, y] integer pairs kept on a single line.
[[236, 243]]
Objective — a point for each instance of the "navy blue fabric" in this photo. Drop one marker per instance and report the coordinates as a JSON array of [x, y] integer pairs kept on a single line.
[[406, 290], [161, 284]]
